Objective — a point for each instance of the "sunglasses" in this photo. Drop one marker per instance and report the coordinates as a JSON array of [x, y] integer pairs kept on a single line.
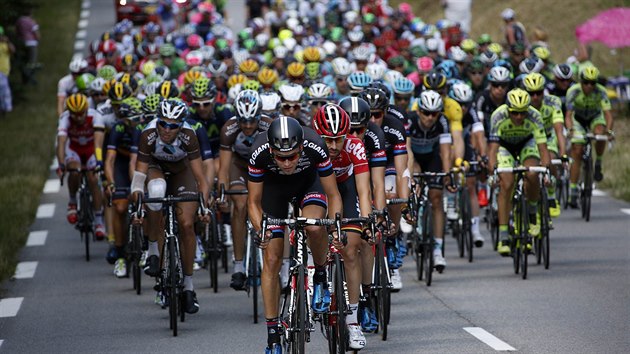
[[166, 125], [402, 98], [291, 157], [536, 93], [202, 103], [358, 131], [318, 103], [476, 73], [77, 115], [289, 106], [430, 114], [134, 119], [589, 82], [518, 113], [377, 115], [334, 139], [340, 78], [499, 85]]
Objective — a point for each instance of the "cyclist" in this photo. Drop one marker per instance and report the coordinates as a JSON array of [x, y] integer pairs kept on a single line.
[[429, 142], [66, 85], [290, 161], [79, 145], [353, 180], [517, 136], [550, 108], [237, 136], [170, 161], [588, 109], [562, 80]]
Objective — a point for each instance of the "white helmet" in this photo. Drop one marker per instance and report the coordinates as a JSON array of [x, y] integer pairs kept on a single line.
[[173, 109], [391, 76], [217, 68], [432, 44], [248, 105], [270, 101], [375, 71], [350, 17], [329, 47], [461, 93], [457, 54], [97, 84], [240, 56], [151, 88], [194, 58], [355, 35], [531, 65], [261, 39], [499, 74], [291, 92], [207, 51], [341, 66], [290, 43], [361, 53], [233, 92], [319, 91], [430, 100], [77, 65], [280, 52]]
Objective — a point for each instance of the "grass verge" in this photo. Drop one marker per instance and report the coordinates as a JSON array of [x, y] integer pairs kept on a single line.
[[617, 161], [28, 132]]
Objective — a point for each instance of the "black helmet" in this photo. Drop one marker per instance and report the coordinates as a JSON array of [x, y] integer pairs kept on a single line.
[[376, 98], [382, 86], [358, 110], [285, 134], [434, 81]]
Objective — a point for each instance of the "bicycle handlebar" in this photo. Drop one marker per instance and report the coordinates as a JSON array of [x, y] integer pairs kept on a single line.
[[521, 169], [223, 192]]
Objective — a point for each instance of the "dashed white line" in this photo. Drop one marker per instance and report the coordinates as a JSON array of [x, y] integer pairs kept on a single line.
[[83, 24], [84, 14], [625, 211], [9, 307], [52, 186], [486, 337], [1, 340], [81, 34], [37, 238], [25, 270], [85, 5], [79, 45], [55, 164], [45, 211]]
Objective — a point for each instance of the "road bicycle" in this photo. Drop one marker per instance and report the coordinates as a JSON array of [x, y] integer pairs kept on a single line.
[[586, 181], [461, 227], [134, 249], [85, 211]]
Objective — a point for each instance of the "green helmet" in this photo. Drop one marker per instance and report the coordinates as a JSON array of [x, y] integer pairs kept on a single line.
[[313, 70], [167, 50], [203, 88], [336, 34], [107, 72], [130, 108], [83, 81], [220, 44], [251, 85], [244, 34], [249, 44], [151, 104]]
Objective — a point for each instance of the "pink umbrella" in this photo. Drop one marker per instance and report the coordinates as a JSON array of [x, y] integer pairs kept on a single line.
[[611, 27]]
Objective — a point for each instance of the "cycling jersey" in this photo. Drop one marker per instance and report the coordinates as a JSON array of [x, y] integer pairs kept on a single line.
[[395, 138], [233, 139], [484, 106], [551, 112], [81, 137], [553, 89], [402, 116], [587, 108], [213, 125], [426, 141], [171, 157], [452, 111], [351, 160], [514, 137], [120, 139], [374, 141]]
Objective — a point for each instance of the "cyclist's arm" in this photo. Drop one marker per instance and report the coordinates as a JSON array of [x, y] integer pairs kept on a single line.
[[377, 175], [559, 129], [197, 169], [544, 155], [493, 149], [60, 104], [332, 193], [133, 157], [110, 158], [254, 203], [568, 119], [208, 171], [225, 160], [445, 154], [609, 119], [61, 148], [458, 144], [363, 190], [400, 162], [410, 157]]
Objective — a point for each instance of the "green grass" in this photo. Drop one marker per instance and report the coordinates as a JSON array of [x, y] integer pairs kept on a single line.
[[617, 161], [28, 132]]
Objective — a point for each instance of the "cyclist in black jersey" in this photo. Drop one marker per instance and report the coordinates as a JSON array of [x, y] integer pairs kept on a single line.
[[491, 98]]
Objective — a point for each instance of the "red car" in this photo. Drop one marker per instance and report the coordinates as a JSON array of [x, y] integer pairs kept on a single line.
[[138, 11]]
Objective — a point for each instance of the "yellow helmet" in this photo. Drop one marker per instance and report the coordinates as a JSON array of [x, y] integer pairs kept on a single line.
[[191, 76], [468, 45], [534, 82], [236, 79], [518, 100], [311, 54], [267, 76], [77, 103], [249, 66], [589, 73], [295, 70], [496, 48], [542, 52], [108, 85]]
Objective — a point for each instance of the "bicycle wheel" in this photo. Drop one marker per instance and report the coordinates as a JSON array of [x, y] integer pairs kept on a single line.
[[545, 228], [86, 219], [417, 252], [340, 333], [135, 255], [211, 252], [253, 277], [428, 244], [466, 223], [524, 236], [171, 284], [587, 190], [382, 293], [494, 219], [298, 324]]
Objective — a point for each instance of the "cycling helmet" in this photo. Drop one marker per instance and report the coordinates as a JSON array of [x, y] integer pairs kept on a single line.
[[496, 48], [475, 65], [395, 61], [168, 89], [128, 79], [270, 101], [252, 85], [461, 92], [77, 103], [203, 88], [311, 54], [285, 134], [484, 38], [236, 79], [217, 68], [563, 71], [280, 52], [130, 108], [534, 82], [97, 85], [248, 106], [194, 41], [375, 71], [147, 49], [355, 36], [194, 58], [499, 74], [376, 98], [163, 71], [313, 71], [118, 92], [295, 70], [542, 52], [151, 104], [424, 64], [457, 54], [191, 75], [291, 92], [267, 76], [248, 66], [504, 63], [331, 120], [174, 109], [358, 80], [381, 86], [448, 68], [518, 100], [151, 87], [290, 43], [167, 50], [404, 86], [341, 66], [78, 65], [108, 46], [531, 65], [83, 81], [434, 81], [319, 92], [468, 45], [329, 47], [233, 92], [488, 57], [430, 101], [261, 39], [361, 53], [589, 73], [107, 72], [357, 109], [129, 60]]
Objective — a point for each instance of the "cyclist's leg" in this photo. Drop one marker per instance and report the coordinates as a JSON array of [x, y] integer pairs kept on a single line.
[[506, 188], [529, 156], [471, 185], [97, 197], [552, 147], [119, 209], [598, 127], [577, 149], [156, 188], [239, 226], [72, 162]]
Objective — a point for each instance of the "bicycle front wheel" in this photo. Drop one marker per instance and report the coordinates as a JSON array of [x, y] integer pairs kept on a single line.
[[298, 325], [340, 332], [427, 245], [466, 223], [171, 285], [524, 236]]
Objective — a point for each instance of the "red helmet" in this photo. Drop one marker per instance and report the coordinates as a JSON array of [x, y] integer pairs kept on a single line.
[[108, 46], [331, 120]]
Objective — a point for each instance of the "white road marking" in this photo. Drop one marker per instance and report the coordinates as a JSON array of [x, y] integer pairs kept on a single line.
[[37, 238], [79, 45], [54, 164], [486, 337], [25, 270], [85, 5], [9, 307], [84, 14], [45, 211], [52, 186], [625, 211], [1, 340], [83, 24], [598, 193], [81, 34]]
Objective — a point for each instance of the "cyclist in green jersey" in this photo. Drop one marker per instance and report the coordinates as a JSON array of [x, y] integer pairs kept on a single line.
[[588, 109], [517, 134], [550, 107]]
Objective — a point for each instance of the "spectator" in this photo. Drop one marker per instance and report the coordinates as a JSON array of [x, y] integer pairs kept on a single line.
[[28, 33], [6, 51], [514, 30], [458, 11]]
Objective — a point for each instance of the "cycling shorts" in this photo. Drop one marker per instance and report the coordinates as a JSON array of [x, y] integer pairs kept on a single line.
[[179, 184], [350, 199], [238, 174], [121, 177], [581, 128], [85, 158], [431, 162], [507, 158]]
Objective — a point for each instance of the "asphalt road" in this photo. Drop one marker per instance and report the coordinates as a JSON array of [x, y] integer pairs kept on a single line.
[[579, 305]]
